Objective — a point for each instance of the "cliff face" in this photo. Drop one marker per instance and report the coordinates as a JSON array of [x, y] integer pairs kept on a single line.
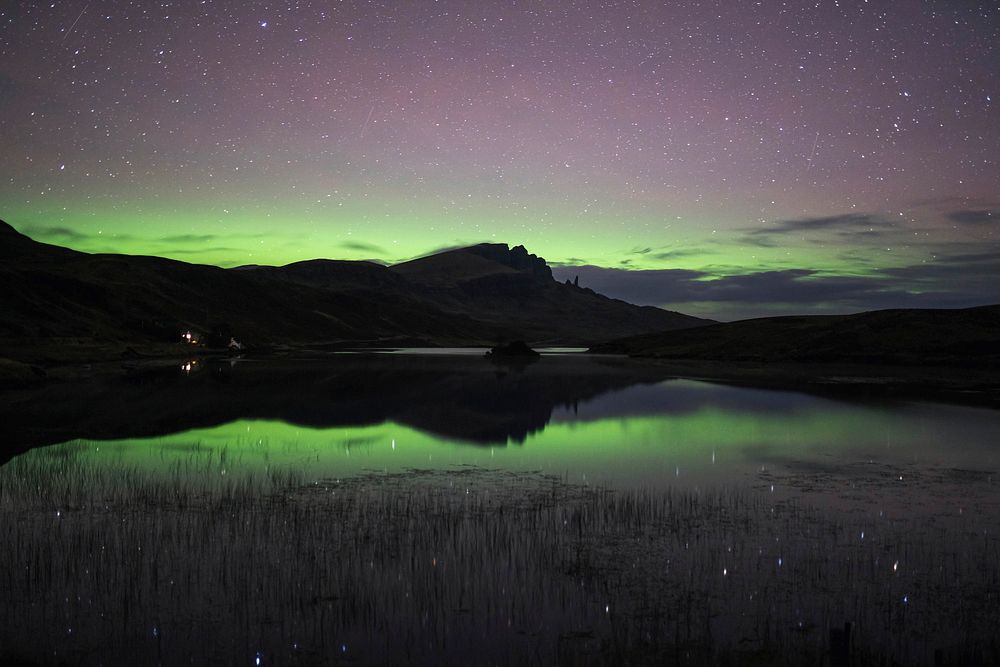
[[513, 293], [516, 258]]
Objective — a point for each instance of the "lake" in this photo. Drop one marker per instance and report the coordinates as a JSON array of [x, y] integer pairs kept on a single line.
[[440, 508]]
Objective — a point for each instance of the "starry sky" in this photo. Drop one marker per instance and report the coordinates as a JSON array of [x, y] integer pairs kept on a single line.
[[724, 158]]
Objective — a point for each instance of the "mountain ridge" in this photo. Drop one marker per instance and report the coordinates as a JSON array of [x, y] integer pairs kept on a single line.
[[956, 337], [469, 296]]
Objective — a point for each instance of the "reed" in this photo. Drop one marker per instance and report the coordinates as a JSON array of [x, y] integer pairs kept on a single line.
[[106, 564]]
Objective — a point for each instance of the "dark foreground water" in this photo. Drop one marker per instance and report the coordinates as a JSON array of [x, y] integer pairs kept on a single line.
[[445, 510]]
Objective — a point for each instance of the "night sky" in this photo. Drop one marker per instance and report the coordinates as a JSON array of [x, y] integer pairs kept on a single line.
[[722, 158]]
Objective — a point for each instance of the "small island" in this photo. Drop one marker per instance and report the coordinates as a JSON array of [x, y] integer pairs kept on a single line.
[[516, 349]]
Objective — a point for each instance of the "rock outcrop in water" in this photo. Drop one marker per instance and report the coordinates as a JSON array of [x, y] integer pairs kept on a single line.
[[516, 349]]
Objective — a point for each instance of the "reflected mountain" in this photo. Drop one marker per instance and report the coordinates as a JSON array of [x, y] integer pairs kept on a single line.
[[456, 397]]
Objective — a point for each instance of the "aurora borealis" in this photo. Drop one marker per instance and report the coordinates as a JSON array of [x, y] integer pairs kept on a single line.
[[721, 158]]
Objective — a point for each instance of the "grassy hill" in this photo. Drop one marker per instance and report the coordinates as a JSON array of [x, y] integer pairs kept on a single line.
[[471, 296], [965, 337], [512, 288]]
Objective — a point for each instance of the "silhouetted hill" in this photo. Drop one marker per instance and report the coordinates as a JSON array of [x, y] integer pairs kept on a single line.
[[464, 265], [969, 336], [16, 246], [510, 288], [474, 296], [52, 293], [334, 274]]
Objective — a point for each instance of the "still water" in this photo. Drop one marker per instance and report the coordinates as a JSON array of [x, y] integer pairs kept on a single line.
[[412, 509], [669, 434]]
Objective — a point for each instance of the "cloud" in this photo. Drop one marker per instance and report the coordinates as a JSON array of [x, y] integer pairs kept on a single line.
[[569, 261], [188, 238], [789, 286], [974, 273], [70, 235], [362, 247], [679, 254], [650, 286], [973, 216], [848, 222], [758, 240], [983, 256], [855, 257], [61, 233], [957, 280], [661, 253], [201, 251]]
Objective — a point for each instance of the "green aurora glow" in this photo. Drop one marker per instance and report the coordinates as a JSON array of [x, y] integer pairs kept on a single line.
[[710, 446], [656, 137]]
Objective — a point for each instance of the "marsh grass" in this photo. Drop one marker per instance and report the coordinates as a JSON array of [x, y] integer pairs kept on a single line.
[[108, 565], [66, 478]]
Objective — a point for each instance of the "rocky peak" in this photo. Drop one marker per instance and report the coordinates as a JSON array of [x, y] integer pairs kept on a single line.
[[517, 258]]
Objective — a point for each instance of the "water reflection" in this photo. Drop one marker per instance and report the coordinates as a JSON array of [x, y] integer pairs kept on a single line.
[[464, 398], [571, 512], [705, 435]]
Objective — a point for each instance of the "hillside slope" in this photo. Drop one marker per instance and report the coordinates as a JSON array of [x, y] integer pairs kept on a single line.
[[512, 288], [969, 336], [56, 293]]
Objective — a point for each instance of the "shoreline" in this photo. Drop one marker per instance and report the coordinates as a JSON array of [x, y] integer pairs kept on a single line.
[[41, 365], [944, 384]]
